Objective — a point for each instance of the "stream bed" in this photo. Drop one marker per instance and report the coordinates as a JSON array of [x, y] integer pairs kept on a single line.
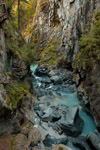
[[59, 113]]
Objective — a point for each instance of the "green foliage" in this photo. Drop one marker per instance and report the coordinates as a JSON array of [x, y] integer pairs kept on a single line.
[[28, 53], [50, 54], [9, 3], [15, 43], [17, 91], [90, 45], [26, 13], [9, 74]]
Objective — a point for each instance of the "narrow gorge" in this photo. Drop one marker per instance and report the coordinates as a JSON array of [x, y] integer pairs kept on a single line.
[[50, 75]]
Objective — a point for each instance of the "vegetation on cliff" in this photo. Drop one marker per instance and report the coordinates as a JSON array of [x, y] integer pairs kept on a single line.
[[17, 91], [16, 46], [19, 14], [90, 45], [50, 55], [15, 43]]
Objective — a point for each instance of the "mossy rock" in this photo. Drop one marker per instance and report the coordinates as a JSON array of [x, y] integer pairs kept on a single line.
[[16, 92], [50, 55]]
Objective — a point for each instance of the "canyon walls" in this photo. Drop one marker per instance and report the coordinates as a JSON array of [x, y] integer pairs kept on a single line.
[[58, 26]]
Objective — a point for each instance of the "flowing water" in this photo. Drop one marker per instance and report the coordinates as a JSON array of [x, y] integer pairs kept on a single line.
[[69, 99]]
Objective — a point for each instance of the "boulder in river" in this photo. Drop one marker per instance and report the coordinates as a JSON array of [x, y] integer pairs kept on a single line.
[[71, 123], [49, 140], [58, 76], [41, 71], [94, 140], [50, 115]]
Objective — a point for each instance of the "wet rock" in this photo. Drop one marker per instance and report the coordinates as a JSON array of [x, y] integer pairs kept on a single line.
[[39, 113], [41, 71], [43, 79], [60, 146], [50, 115], [81, 143], [71, 123], [94, 141], [49, 140], [58, 76], [47, 115], [56, 79]]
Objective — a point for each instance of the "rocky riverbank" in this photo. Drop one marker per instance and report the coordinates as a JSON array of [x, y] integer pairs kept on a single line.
[[58, 113], [17, 129]]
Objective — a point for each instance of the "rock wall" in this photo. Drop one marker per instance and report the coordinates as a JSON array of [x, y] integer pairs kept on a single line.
[[3, 77], [66, 20], [16, 125]]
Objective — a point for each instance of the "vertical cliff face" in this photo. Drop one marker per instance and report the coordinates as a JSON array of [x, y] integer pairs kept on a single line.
[[16, 101], [10, 67], [73, 15], [3, 76], [65, 21]]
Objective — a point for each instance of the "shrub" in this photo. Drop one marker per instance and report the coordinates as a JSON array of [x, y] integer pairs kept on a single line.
[[50, 53], [90, 45], [17, 91]]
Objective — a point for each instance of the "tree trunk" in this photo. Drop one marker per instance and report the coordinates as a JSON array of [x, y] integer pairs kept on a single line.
[[19, 14]]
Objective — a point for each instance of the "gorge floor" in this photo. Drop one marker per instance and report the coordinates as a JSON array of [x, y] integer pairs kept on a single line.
[[57, 101]]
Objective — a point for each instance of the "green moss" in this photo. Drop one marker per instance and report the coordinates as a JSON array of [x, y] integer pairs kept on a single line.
[[90, 45], [50, 54], [9, 74], [17, 91], [15, 43], [12, 142]]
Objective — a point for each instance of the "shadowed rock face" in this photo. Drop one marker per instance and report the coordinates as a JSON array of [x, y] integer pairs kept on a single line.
[[16, 127], [88, 86], [19, 70], [92, 88], [67, 20], [4, 111]]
